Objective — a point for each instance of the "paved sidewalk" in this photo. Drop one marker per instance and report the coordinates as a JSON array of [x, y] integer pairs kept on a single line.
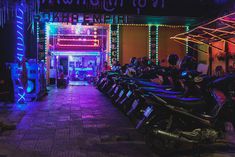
[[73, 122]]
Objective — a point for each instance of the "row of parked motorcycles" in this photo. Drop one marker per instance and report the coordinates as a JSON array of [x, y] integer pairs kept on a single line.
[[202, 112]]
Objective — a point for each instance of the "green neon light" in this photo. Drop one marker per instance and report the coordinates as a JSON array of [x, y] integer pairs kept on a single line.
[[187, 30]]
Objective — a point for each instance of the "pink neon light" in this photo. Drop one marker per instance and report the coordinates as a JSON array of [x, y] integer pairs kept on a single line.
[[95, 40], [69, 45]]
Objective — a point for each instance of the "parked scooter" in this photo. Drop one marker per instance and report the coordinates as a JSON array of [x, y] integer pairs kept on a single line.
[[179, 122]]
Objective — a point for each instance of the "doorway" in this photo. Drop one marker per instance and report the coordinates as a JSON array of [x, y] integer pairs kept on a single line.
[[76, 52]]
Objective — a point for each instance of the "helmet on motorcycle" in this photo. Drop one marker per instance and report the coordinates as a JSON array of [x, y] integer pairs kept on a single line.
[[144, 60], [133, 59], [173, 59]]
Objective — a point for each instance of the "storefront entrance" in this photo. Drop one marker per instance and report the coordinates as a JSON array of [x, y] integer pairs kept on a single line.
[[76, 52]]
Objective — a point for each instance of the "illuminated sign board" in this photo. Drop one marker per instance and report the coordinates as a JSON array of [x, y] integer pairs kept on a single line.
[[75, 18], [104, 5]]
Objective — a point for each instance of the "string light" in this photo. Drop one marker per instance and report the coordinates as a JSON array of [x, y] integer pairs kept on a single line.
[[187, 30], [118, 43], [150, 53], [157, 37], [172, 26], [47, 41], [110, 46], [160, 25]]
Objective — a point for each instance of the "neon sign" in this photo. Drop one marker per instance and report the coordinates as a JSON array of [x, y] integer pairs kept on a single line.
[[75, 18], [20, 51], [114, 45], [78, 42], [109, 5]]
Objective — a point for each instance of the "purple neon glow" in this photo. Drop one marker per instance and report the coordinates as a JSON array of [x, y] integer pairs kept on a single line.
[[77, 37], [20, 51]]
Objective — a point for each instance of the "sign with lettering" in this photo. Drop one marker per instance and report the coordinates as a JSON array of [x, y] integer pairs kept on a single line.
[[153, 42], [41, 42], [75, 18], [114, 42], [110, 6]]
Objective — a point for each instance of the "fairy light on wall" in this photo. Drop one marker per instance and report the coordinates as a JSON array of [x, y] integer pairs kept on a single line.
[[110, 45], [118, 42], [162, 25], [157, 29], [20, 51], [47, 41], [149, 27], [187, 30]]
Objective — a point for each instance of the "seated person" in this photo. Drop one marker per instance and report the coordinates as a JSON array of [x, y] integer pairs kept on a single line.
[[189, 62], [169, 75]]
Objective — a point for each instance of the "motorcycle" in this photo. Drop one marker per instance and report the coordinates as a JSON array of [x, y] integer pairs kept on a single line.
[[169, 125]]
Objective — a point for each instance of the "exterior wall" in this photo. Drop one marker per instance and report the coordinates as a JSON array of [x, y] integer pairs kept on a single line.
[[231, 49], [168, 46], [133, 42], [215, 52], [203, 57]]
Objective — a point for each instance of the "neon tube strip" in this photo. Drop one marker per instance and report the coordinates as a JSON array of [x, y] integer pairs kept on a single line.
[[95, 40], [75, 53], [70, 45], [20, 51]]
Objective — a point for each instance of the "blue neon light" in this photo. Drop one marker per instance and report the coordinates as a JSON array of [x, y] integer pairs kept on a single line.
[[19, 22], [21, 36], [20, 51], [19, 27]]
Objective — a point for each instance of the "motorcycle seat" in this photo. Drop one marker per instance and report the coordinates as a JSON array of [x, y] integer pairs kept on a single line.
[[187, 103], [160, 91], [151, 84]]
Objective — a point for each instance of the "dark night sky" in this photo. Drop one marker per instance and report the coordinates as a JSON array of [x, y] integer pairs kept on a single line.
[[186, 8], [202, 9]]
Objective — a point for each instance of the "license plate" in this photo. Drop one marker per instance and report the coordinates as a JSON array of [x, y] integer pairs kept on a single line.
[[129, 93], [148, 111], [121, 93]]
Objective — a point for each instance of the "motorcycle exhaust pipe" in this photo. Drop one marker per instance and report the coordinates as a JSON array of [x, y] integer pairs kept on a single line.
[[172, 136]]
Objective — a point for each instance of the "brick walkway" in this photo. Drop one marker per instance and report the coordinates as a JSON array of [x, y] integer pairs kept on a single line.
[[73, 122]]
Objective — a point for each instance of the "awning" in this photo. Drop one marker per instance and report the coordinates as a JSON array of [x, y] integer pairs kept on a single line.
[[220, 29]]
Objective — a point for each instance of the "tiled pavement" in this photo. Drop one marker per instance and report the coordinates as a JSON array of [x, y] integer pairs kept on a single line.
[[72, 122]]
